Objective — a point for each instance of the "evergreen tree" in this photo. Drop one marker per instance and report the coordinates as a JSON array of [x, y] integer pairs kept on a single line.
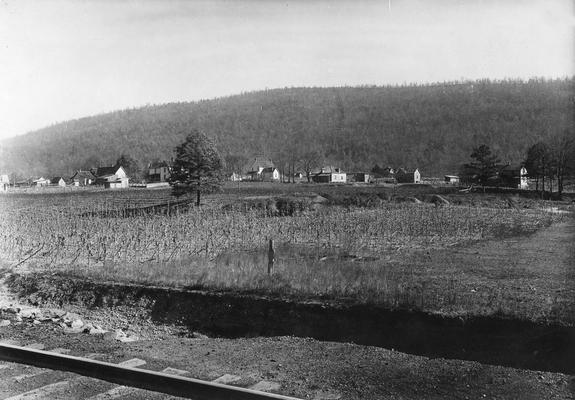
[[484, 167], [198, 166]]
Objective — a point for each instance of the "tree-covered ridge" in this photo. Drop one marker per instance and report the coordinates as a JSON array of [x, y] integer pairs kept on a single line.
[[432, 127]]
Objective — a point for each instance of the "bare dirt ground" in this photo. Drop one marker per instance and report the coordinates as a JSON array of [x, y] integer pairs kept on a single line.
[[306, 368]]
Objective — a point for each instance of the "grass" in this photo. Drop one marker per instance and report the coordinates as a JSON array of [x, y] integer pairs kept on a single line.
[[377, 255]]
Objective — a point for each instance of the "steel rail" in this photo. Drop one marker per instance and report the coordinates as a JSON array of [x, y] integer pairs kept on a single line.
[[144, 379]]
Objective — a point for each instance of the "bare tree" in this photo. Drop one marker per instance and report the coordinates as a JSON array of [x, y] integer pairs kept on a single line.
[[562, 153], [309, 161]]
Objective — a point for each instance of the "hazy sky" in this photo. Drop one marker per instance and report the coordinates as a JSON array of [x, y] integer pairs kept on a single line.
[[68, 59]]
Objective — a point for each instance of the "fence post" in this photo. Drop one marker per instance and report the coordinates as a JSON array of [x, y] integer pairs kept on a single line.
[[271, 257]]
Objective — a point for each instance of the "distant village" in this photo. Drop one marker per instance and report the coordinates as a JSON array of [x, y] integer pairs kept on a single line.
[[259, 169]]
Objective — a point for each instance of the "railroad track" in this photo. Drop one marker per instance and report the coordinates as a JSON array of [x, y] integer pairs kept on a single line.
[[127, 374]]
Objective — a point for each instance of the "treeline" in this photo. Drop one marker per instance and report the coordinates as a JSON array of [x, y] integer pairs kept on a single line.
[[550, 162], [431, 127], [547, 163]]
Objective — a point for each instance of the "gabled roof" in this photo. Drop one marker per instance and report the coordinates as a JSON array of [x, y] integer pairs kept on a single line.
[[56, 179], [259, 162], [268, 170], [83, 175], [103, 171]]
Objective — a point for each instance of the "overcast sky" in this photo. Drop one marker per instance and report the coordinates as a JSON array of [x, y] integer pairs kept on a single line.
[[68, 59]]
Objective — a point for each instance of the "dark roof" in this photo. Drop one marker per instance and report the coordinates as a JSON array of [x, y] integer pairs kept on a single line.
[[83, 174], [159, 164], [268, 169], [102, 171], [511, 171], [55, 179], [512, 168], [259, 162]]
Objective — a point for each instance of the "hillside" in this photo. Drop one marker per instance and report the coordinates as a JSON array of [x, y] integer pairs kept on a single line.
[[433, 127]]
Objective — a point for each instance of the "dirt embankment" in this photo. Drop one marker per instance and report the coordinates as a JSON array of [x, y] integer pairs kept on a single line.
[[488, 339]]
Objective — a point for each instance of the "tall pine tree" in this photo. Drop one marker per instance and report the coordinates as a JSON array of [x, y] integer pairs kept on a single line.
[[197, 167]]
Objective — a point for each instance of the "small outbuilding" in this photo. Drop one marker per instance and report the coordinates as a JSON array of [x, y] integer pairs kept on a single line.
[[451, 179]]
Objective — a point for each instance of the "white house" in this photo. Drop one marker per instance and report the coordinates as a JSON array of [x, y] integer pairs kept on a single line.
[[112, 177]]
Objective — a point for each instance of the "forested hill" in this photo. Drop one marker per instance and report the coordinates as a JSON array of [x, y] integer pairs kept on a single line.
[[432, 127]]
